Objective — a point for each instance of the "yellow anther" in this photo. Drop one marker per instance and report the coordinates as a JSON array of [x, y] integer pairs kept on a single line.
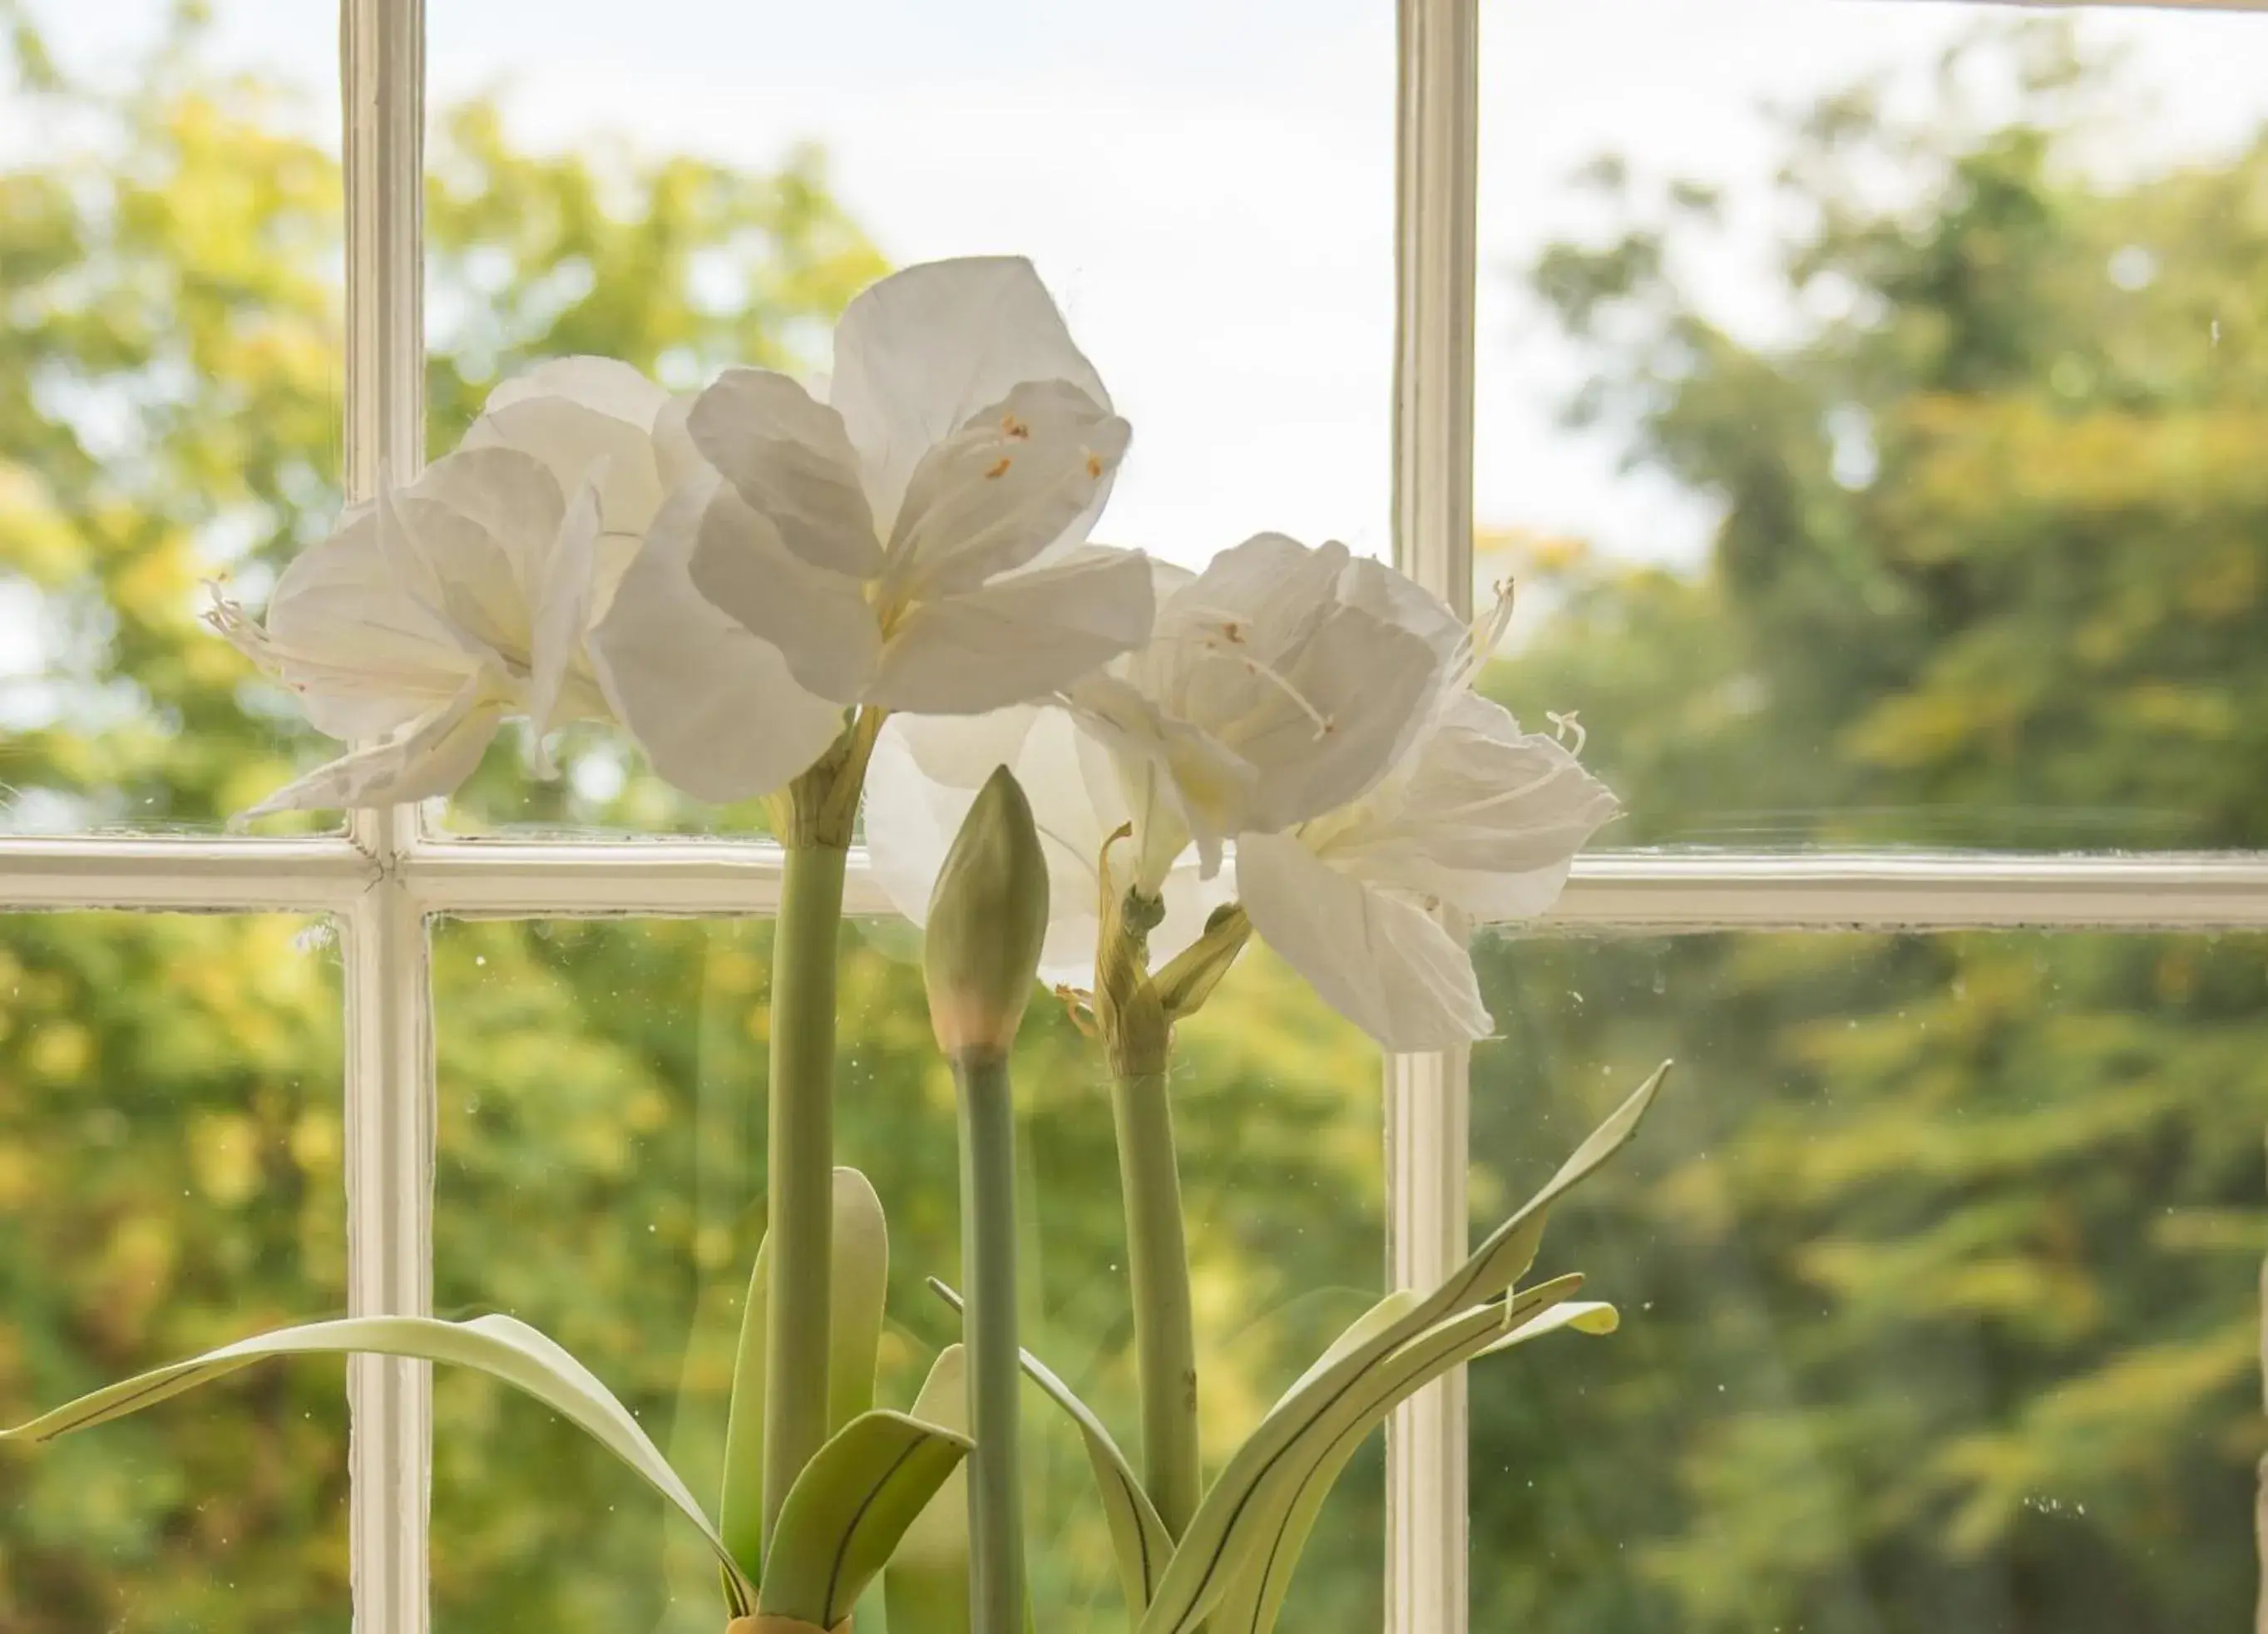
[[1001, 470], [1095, 465], [1014, 427]]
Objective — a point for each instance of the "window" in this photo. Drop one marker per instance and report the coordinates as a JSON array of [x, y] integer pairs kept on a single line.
[[400, 1070]]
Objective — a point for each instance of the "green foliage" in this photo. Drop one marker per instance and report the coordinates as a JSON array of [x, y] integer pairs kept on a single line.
[[1942, 1270], [1939, 1268]]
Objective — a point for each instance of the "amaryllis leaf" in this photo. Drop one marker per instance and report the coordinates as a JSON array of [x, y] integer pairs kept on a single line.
[[1218, 1537], [499, 1346], [925, 1585], [861, 1243], [1278, 1526], [848, 1510]]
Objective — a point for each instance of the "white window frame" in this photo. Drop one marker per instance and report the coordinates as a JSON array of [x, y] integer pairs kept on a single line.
[[387, 876]]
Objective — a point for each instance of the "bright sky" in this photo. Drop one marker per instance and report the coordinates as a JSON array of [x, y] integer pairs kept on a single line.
[[1206, 184]]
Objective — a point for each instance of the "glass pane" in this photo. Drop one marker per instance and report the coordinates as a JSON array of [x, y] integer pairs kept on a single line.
[[169, 1181], [601, 1163], [1940, 1267], [169, 224], [1869, 402], [1206, 187]]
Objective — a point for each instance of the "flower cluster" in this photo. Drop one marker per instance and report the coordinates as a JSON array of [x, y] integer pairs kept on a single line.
[[738, 575]]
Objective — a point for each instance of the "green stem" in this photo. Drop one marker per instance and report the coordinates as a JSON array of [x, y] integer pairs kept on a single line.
[[988, 1267], [1158, 1266], [799, 1196]]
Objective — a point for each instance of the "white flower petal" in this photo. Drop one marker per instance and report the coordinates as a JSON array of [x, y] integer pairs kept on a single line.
[[363, 657], [918, 353], [437, 752], [1271, 588], [561, 615], [1376, 959], [1179, 784], [820, 622], [1019, 638], [603, 384], [716, 710], [572, 440], [1487, 817], [1025, 477], [912, 819], [1326, 725], [792, 463], [674, 456], [479, 610], [472, 535], [913, 812], [1393, 596]]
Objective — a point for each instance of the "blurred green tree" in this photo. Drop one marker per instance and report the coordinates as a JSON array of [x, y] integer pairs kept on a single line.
[[170, 1127], [1946, 1258]]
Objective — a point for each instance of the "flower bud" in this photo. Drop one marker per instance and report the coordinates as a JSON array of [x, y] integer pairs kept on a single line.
[[987, 918]]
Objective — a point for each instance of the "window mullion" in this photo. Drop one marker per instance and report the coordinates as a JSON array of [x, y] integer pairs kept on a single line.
[[389, 1070], [1437, 157]]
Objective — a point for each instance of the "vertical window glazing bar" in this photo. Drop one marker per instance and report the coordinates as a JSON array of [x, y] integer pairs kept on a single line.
[[1436, 159], [389, 1077]]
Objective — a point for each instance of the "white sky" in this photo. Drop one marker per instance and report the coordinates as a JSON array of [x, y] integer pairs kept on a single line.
[[1206, 185]]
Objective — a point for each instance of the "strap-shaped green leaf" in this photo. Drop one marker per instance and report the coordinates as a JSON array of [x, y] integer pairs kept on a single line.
[[1139, 1538], [925, 1585], [1282, 1520], [499, 1346], [1202, 1568], [848, 1510], [860, 1242]]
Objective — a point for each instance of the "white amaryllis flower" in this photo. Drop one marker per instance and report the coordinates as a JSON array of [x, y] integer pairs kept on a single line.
[[926, 773], [1476, 815], [432, 615], [1277, 686], [916, 541], [715, 709]]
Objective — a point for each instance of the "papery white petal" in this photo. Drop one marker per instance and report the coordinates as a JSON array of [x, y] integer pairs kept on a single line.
[[430, 757], [604, 386], [1179, 783], [1271, 588], [1325, 725], [819, 621], [792, 463], [1390, 595], [364, 658], [480, 523], [912, 816], [674, 456], [561, 616], [572, 439], [1486, 816], [1025, 477], [912, 820], [1019, 637], [918, 353], [1377, 960], [716, 710], [961, 751], [477, 612]]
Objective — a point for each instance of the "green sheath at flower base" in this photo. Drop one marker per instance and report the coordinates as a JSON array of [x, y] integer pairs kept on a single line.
[[987, 919]]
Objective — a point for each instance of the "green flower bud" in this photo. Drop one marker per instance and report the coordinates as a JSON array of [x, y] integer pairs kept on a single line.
[[987, 918]]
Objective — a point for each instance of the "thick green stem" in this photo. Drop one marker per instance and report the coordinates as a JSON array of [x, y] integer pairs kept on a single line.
[[988, 1268], [1158, 1268], [799, 1206]]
